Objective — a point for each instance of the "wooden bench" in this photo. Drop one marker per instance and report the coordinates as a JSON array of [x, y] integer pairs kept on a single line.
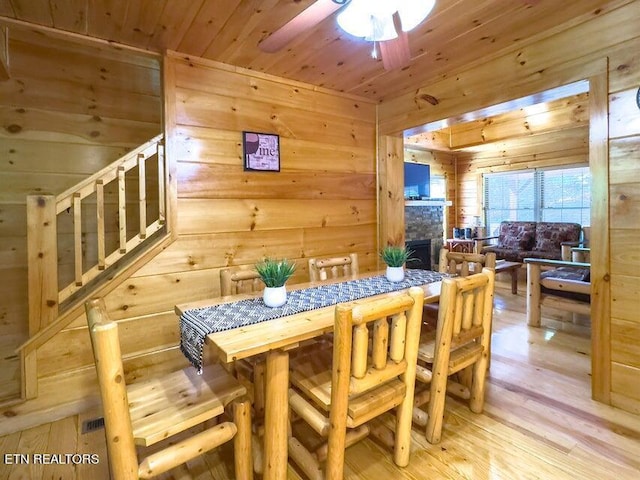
[[565, 288]]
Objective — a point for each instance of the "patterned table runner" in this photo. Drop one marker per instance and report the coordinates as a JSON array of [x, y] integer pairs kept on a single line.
[[197, 323]]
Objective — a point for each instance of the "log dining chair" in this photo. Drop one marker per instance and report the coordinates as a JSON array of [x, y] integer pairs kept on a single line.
[[462, 264], [321, 269], [370, 371], [250, 371], [171, 409], [239, 280], [461, 340]]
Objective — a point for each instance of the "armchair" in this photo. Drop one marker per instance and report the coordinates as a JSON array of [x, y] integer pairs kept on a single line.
[[564, 286]]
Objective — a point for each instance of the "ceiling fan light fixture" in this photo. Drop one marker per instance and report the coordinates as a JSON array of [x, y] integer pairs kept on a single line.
[[373, 19], [369, 19]]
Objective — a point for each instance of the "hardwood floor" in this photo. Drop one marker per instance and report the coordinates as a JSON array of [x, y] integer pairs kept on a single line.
[[539, 423]]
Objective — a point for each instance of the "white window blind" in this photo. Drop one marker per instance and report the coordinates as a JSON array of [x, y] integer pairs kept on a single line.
[[565, 195], [549, 195], [508, 196]]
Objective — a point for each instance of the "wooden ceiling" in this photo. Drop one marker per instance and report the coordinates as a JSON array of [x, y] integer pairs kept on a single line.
[[510, 125], [456, 33]]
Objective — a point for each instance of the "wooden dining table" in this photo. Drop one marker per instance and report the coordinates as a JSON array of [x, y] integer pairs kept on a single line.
[[276, 338]]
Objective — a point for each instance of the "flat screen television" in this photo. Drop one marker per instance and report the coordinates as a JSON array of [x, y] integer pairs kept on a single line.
[[416, 181]]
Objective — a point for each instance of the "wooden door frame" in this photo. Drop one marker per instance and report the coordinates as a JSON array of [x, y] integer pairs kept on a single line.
[[391, 216]]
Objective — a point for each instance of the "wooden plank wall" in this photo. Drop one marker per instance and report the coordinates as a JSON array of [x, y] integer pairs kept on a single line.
[[624, 218], [67, 110], [574, 54], [565, 147], [443, 164], [321, 203]]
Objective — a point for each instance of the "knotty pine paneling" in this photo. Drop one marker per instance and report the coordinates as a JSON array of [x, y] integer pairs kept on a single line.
[[26, 156], [222, 81], [203, 251], [625, 259], [625, 206], [39, 124], [67, 111], [623, 118], [550, 62], [196, 108], [522, 123], [625, 291], [137, 334], [624, 217], [321, 203], [208, 181], [547, 152], [624, 156], [625, 349], [237, 214], [221, 147], [624, 387]]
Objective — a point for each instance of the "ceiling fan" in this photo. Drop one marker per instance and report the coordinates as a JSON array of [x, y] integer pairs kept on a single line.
[[383, 22]]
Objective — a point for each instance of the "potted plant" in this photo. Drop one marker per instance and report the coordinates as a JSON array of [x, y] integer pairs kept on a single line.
[[395, 257], [274, 274]]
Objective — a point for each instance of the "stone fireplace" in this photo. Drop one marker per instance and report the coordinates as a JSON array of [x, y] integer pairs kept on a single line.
[[424, 229]]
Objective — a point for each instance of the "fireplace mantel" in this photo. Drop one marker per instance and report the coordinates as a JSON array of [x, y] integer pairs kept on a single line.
[[436, 202]]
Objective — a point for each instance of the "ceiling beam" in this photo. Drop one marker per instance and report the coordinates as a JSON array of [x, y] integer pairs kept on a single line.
[[532, 120]]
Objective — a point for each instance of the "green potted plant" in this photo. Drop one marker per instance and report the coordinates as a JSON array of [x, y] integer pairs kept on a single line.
[[395, 257], [274, 274]]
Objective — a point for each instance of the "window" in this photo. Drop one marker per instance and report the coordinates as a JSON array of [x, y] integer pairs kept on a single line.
[[548, 195]]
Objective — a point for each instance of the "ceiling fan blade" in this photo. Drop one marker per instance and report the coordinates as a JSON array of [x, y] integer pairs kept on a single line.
[[395, 53], [308, 18]]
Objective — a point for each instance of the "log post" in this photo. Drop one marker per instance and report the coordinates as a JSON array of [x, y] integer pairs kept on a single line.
[[42, 254], [533, 295]]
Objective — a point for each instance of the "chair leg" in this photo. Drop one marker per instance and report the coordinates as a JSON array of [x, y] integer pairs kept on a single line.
[[435, 409], [404, 414], [476, 402], [243, 459]]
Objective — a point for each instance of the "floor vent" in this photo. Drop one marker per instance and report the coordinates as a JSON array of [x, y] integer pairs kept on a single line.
[[92, 425]]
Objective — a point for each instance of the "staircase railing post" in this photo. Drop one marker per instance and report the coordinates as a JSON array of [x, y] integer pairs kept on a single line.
[[42, 254]]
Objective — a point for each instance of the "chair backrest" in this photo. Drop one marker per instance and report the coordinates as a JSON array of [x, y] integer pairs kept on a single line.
[[375, 342], [464, 263], [464, 319], [236, 280], [376, 348], [113, 391], [321, 269]]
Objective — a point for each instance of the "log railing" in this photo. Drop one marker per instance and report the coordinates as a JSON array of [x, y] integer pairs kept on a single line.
[[75, 237]]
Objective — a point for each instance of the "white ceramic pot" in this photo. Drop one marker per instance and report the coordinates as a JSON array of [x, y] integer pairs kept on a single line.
[[275, 296], [395, 274]]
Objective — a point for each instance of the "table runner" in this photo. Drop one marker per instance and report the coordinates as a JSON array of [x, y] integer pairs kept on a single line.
[[197, 323]]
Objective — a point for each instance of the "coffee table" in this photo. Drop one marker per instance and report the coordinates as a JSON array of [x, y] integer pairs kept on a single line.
[[511, 267]]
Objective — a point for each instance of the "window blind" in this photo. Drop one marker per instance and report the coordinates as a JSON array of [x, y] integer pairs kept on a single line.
[[549, 195]]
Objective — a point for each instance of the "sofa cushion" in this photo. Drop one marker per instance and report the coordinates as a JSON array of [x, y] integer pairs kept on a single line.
[[519, 255], [550, 235], [578, 274], [517, 235]]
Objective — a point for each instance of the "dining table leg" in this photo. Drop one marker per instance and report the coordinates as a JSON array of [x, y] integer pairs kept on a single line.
[[276, 421]]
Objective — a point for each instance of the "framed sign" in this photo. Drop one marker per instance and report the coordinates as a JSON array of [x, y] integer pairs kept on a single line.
[[261, 152]]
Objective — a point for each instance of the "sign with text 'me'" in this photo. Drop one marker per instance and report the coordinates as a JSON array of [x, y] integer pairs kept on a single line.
[[261, 151]]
